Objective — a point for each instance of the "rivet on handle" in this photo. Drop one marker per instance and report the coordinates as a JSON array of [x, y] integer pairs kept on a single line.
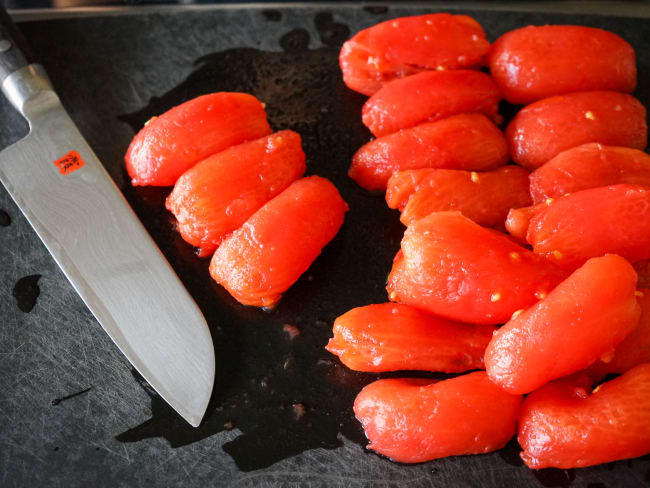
[[5, 45]]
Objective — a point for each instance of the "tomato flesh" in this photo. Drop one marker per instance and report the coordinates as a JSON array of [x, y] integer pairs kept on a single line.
[[392, 337], [407, 45], [175, 141], [466, 141], [590, 223], [429, 96], [217, 195], [589, 313], [542, 130], [518, 220], [265, 256], [635, 348], [537, 62], [454, 268], [567, 425], [589, 166], [412, 421], [484, 197]]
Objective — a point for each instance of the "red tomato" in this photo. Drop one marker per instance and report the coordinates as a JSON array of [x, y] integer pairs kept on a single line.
[[428, 96], [172, 143], [452, 267], [635, 348], [414, 420], [390, 337], [536, 62], [483, 197], [466, 141], [407, 45], [518, 220], [217, 195], [265, 256], [588, 314], [566, 425], [589, 166], [544, 129], [610, 219]]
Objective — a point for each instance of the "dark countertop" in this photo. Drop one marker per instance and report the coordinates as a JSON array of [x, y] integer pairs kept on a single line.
[[113, 72]]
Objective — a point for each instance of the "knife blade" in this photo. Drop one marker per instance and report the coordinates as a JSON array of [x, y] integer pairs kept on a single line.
[[65, 193]]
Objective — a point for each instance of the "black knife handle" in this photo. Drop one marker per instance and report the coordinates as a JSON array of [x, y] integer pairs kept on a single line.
[[14, 50]]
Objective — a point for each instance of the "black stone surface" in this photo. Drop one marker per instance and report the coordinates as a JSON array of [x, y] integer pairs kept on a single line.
[[71, 411]]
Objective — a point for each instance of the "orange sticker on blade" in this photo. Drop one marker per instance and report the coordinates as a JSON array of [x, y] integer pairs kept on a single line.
[[69, 163]]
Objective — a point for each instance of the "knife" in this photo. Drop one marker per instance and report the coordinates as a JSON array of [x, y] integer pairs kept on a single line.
[[97, 240]]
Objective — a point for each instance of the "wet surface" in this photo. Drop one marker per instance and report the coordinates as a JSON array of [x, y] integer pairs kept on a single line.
[[555, 477], [272, 15], [26, 291], [5, 220]]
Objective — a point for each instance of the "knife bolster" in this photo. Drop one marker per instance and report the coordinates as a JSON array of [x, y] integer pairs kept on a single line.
[[29, 89]]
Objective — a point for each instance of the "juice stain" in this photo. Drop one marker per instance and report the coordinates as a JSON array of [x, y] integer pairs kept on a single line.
[[555, 477], [277, 388], [272, 15], [5, 220], [26, 292]]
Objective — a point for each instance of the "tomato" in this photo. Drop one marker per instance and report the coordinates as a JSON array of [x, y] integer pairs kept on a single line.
[[428, 96], [175, 141], [589, 166], [454, 268], [587, 315], [466, 141], [483, 197], [541, 131], [566, 425], [217, 195], [589, 223], [265, 256], [518, 220], [391, 336], [536, 62], [407, 45], [635, 348], [413, 420]]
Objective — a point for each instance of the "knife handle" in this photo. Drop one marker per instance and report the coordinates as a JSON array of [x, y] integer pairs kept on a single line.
[[14, 50]]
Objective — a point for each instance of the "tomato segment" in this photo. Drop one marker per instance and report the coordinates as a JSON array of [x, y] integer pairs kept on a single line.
[[518, 220], [544, 129], [589, 314], [566, 425], [484, 198], [175, 141], [454, 268], [635, 348], [265, 256], [589, 223], [466, 141], [412, 420], [391, 337], [589, 166], [536, 62], [428, 96], [217, 195], [407, 45]]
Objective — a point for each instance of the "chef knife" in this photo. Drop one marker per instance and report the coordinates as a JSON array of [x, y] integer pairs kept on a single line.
[[94, 236]]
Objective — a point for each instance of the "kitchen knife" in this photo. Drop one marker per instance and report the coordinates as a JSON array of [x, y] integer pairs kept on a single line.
[[94, 236]]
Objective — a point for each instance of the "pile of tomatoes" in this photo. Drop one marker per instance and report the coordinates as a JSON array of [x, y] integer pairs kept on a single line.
[[525, 270]]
